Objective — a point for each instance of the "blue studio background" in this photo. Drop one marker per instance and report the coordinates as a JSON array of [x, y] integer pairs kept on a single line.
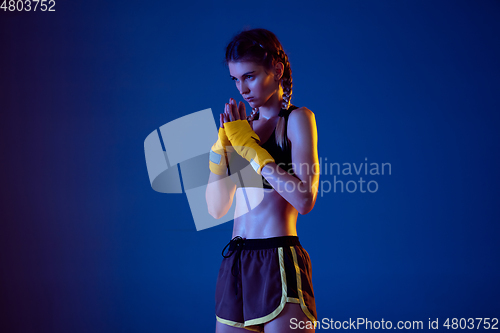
[[86, 245]]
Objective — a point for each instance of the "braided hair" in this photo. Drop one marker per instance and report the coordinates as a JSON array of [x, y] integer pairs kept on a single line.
[[263, 47]]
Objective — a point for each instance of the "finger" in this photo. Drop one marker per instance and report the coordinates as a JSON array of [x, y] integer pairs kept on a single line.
[[228, 110], [228, 113], [234, 110], [221, 121], [242, 110], [229, 116]]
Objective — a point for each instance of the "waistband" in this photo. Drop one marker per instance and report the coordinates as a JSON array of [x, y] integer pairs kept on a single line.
[[238, 243]]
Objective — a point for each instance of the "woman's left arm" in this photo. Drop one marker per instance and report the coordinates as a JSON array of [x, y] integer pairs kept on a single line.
[[300, 192]]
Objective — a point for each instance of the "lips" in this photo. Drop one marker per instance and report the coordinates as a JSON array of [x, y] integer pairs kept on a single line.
[[248, 99]]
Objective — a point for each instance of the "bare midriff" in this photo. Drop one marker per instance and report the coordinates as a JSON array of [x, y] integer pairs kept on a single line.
[[271, 215]]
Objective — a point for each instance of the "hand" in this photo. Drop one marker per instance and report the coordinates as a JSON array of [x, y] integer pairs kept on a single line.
[[220, 153], [235, 112], [224, 141], [243, 138]]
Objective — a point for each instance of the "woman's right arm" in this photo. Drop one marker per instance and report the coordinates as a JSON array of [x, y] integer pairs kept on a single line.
[[219, 194], [220, 191]]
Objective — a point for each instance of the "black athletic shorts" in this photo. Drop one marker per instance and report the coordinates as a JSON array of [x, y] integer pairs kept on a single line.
[[258, 277]]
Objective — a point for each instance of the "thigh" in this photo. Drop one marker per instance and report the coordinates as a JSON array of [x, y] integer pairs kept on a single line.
[[291, 319]]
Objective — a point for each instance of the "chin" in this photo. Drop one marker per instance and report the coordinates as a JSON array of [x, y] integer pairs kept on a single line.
[[254, 104]]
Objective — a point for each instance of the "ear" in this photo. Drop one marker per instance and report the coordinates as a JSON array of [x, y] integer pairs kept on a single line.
[[279, 69]]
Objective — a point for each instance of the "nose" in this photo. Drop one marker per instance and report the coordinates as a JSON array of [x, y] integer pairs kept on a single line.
[[243, 88]]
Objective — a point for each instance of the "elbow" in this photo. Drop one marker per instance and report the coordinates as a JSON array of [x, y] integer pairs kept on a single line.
[[218, 208], [304, 210], [214, 210], [306, 205], [212, 207], [216, 214]]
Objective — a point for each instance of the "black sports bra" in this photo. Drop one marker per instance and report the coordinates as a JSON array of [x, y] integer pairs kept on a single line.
[[282, 157]]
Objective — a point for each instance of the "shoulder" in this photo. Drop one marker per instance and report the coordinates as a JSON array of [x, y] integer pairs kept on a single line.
[[300, 114], [301, 121]]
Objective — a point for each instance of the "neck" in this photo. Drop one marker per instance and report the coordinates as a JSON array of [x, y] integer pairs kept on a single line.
[[272, 107]]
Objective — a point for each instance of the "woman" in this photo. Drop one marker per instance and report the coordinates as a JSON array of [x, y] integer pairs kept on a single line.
[[264, 282]]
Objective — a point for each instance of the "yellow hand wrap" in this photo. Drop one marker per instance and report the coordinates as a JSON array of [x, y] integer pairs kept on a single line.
[[246, 143], [220, 154]]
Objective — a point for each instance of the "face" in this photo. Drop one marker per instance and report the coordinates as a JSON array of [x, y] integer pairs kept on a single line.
[[252, 81]]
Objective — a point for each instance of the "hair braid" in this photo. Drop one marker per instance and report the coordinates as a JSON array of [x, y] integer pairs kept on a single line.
[[286, 79], [286, 83]]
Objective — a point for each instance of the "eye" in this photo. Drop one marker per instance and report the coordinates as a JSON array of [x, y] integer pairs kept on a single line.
[[246, 77]]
